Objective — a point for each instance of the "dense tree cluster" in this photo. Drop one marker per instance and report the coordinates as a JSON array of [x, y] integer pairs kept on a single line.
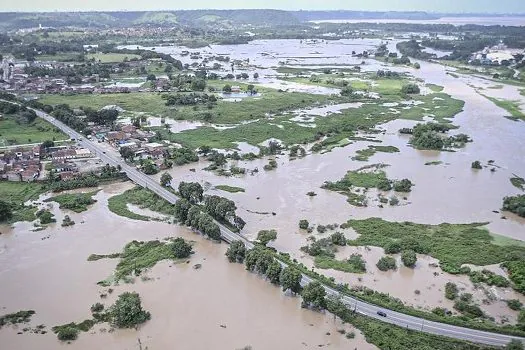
[[515, 204], [127, 311], [236, 252], [192, 191], [265, 236], [203, 223], [220, 208], [181, 249], [313, 295], [190, 99], [183, 155], [404, 185]]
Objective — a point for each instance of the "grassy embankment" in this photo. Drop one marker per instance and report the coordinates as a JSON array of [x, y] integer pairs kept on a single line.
[[12, 133], [17, 193], [513, 107], [141, 197], [231, 189], [77, 202]]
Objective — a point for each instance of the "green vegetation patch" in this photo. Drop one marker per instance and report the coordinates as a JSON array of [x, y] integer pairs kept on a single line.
[[142, 197], [231, 189], [518, 182], [138, 256], [364, 154], [452, 244], [515, 204], [20, 192], [23, 316], [13, 132], [435, 88], [354, 264], [77, 202], [513, 107], [368, 177], [270, 102], [111, 57]]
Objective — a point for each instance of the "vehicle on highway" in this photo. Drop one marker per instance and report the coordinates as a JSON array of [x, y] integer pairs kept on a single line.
[[381, 313]]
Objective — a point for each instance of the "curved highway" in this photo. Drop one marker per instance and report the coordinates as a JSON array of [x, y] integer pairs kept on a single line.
[[364, 308]]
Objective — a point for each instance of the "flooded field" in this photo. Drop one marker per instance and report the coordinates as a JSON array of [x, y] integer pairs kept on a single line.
[[220, 305], [47, 270]]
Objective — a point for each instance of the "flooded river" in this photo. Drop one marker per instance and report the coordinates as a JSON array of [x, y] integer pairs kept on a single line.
[[219, 306], [448, 192]]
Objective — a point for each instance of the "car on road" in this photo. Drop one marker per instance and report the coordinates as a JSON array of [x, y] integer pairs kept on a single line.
[[381, 313]]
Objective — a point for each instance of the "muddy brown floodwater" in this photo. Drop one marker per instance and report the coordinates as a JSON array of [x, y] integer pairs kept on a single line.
[[219, 306], [450, 192]]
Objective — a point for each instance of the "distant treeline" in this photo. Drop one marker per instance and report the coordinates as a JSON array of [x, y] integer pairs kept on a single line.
[[194, 18]]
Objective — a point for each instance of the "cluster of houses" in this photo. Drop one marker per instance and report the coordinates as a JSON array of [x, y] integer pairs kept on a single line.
[[26, 164], [135, 139], [497, 55]]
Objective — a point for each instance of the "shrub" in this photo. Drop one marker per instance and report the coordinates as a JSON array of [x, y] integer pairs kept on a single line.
[[404, 185], [393, 247], [386, 263], [409, 258], [410, 88], [97, 307], [476, 165], [236, 252], [515, 204], [514, 304], [180, 248], [67, 334], [451, 291], [338, 239], [127, 311], [303, 224]]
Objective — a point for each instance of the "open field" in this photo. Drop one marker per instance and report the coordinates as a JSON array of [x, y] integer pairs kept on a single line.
[[12, 133], [111, 57], [250, 108]]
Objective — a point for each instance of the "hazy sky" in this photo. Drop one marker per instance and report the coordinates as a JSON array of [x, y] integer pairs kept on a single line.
[[492, 6]]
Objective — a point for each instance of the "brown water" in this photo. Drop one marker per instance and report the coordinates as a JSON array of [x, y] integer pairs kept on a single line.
[[449, 192], [188, 306], [428, 280]]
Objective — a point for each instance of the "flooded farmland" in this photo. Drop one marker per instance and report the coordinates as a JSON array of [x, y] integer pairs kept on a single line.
[[47, 271], [221, 305]]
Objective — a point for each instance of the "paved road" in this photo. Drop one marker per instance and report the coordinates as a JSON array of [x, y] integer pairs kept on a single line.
[[396, 318]]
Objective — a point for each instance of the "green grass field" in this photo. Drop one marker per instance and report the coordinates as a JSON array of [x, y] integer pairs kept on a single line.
[[231, 189], [513, 107], [20, 192], [141, 197], [39, 131], [110, 57], [271, 102], [453, 245]]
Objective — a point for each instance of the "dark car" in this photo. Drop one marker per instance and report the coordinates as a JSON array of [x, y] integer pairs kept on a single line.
[[381, 313]]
